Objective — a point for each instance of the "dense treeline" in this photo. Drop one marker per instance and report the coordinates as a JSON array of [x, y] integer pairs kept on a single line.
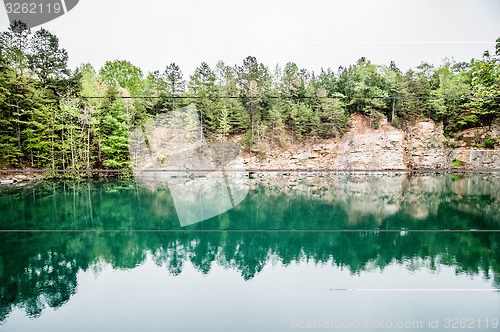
[[52, 117]]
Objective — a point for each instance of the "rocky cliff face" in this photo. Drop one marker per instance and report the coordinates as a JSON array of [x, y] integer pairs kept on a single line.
[[364, 147], [421, 146], [428, 148]]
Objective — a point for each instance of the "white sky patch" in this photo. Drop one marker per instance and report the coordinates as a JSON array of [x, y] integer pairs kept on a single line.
[[315, 34]]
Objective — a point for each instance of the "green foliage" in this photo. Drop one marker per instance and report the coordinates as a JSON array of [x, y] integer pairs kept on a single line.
[[456, 163], [449, 145], [174, 84], [302, 117], [122, 73], [485, 82], [249, 140], [376, 118], [277, 124], [223, 124], [114, 144], [489, 143], [46, 59], [468, 120], [447, 83], [331, 114], [395, 122], [365, 84]]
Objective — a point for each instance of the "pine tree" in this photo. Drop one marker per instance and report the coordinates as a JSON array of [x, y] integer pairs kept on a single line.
[[46, 59], [224, 125], [114, 132], [277, 124], [174, 83], [331, 113]]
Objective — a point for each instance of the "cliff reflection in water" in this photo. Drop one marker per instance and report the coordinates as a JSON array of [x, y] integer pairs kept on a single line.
[[39, 269]]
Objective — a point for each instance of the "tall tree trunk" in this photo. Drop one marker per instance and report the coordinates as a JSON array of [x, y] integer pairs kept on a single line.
[[52, 143], [31, 155], [173, 96], [71, 141], [18, 133], [393, 104], [88, 146], [251, 116], [63, 149]]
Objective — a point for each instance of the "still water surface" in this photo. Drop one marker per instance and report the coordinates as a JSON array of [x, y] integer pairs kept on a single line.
[[340, 251]]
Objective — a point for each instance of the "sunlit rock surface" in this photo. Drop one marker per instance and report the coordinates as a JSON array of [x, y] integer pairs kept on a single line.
[[369, 145]]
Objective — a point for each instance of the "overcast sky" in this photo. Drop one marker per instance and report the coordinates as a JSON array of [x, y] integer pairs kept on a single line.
[[312, 33]]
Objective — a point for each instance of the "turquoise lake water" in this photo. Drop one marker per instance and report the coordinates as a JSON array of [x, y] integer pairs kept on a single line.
[[302, 251]]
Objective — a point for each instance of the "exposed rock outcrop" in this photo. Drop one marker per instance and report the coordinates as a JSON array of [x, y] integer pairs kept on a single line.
[[18, 178], [420, 146], [364, 147]]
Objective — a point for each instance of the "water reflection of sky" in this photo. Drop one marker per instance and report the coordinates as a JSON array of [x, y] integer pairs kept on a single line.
[[149, 298]]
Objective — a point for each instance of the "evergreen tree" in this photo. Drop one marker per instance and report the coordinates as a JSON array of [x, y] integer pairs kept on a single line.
[[202, 86], [224, 125], [333, 120], [277, 124], [115, 132], [174, 83], [46, 59]]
